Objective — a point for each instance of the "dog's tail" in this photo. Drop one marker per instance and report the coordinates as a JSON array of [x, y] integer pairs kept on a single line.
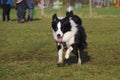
[[69, 12]]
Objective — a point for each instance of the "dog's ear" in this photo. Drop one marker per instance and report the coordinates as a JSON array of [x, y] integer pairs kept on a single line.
[[54, 17]]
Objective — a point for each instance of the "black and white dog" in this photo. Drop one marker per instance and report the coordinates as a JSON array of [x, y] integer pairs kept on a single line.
[[69, 34]]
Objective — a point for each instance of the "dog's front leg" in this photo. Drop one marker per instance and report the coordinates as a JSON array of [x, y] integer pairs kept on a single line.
[[60, 53], [69, 50]]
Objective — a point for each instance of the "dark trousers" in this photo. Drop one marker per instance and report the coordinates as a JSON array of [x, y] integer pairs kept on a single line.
[[21, 10], [6, 12]]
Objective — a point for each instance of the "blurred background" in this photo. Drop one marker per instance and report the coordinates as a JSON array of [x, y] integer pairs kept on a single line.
[[56, 4]]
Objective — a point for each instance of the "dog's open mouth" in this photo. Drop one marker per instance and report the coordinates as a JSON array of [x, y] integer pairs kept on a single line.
[[59, 39]]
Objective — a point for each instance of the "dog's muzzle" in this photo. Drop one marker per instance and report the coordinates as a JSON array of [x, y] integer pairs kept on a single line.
[[59, 38]]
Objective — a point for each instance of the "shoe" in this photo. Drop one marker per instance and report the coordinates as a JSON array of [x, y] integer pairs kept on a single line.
[[21, 21]]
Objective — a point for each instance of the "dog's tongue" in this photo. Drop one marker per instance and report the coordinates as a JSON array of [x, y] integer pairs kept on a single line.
[[59, 39]]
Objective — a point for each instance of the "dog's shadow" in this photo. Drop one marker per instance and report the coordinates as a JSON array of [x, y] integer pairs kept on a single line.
[[73, 59], [35, 19]]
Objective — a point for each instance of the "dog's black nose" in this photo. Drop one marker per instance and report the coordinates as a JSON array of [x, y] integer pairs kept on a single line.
[[58, 35]]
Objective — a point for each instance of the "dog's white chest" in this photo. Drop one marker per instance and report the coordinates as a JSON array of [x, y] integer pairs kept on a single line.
[[70, 42]]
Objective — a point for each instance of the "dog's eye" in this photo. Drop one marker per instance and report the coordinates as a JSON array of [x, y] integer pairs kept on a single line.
[[56, 28], [54, 19]]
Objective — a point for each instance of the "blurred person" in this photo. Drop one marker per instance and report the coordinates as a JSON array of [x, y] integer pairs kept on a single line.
[[21, 10], [78, 4], [0, 3], [118, 3], [106, 3], [6, 6], [110, 2], [114, 2], [99, 5], [41, 6], [30, 7], [95, 2]]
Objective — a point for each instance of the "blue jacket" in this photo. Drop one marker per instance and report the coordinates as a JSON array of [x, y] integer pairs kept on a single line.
[[6, 2], [9, 2]]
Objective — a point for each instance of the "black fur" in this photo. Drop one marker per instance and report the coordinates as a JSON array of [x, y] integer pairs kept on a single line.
[[81, 31], [76, 18], [65, 23]]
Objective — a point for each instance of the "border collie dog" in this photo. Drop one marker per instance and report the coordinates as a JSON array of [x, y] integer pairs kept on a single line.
[[69, 34]]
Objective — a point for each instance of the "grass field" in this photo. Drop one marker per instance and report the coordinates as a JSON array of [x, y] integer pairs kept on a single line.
[[28, 50]]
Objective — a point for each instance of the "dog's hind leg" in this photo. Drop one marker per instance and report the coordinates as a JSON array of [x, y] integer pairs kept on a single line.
[[77, 53], [79, 59]]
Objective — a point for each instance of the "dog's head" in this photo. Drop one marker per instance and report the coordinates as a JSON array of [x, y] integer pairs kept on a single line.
[[60, 25]]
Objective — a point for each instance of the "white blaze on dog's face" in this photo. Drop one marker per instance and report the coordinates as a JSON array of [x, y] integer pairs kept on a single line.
[[59, 33], [60, 25]]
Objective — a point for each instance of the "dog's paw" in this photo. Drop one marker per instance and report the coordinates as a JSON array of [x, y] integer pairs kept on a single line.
[[79, 64], [60, 62]]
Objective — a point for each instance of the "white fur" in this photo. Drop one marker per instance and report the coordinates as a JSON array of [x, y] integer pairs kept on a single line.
[[73, 24], [79, 59], [59, 29], [69, 9], [60, 53], [68, 35], [69, 39], [68, 52], [59, 17]]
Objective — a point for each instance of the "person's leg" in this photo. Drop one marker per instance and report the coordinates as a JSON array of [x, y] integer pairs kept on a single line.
[[20, 12], [30, 14], [3, 12], [23, 10], [8, 12]]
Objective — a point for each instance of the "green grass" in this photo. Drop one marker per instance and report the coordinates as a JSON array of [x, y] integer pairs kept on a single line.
[[28, 50]]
